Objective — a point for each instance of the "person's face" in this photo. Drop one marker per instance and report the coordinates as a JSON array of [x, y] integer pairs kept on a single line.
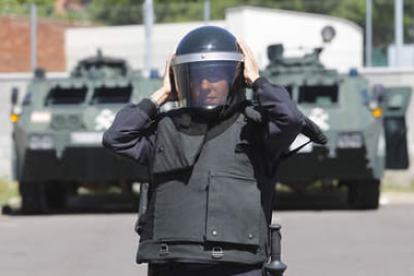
[[205, 84], [210, 86], [210, 92]]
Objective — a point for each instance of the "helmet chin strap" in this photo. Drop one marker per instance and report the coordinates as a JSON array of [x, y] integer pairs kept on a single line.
[[209, 114]]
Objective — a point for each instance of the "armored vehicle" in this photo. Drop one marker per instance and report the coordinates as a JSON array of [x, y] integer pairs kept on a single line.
[[365, 127], [57, 135]]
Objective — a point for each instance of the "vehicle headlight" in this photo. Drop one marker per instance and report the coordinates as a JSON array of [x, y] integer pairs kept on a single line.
[[90, 138], [40, 117], [351, 140], [41, 142]]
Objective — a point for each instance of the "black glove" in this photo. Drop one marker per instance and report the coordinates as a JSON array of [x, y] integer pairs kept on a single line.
[[313, 132]]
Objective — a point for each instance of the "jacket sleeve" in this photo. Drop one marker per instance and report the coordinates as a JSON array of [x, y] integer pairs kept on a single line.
[[282, 120], [132, 134]]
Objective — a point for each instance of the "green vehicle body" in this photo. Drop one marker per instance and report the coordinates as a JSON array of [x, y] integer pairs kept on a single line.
[[361, 146], [57, 139]]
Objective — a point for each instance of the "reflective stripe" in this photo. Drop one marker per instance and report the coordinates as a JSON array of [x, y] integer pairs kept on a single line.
[[207, 56]]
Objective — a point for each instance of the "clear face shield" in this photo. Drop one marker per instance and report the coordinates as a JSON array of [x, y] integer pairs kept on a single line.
[[205, 80]]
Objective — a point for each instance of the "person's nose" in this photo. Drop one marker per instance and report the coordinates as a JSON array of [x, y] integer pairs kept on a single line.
[[205, 84]]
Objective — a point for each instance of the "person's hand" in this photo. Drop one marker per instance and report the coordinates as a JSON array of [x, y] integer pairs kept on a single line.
[[164, 94], [251, 68]]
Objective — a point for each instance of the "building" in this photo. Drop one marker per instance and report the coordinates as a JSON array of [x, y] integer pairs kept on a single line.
[[16, 44], [299, 32]]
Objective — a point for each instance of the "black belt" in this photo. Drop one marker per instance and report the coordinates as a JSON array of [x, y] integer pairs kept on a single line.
[[191, 269]]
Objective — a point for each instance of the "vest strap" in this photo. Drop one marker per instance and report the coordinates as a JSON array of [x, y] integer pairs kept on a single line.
[[164, 251], [293, 152], [217, 252]]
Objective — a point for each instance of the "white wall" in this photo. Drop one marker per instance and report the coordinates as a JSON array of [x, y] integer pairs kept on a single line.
[[261, 27], [127, 42], [406, 56], [7, 82]]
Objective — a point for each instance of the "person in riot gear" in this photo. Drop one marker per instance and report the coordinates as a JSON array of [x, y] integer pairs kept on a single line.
[[208, 69], [213, 160]]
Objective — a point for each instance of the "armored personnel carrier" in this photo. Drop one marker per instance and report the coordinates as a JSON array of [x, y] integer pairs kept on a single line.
[[365, 127], [57, 135]]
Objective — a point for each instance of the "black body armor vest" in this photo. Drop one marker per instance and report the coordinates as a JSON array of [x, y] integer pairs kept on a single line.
[[211, 201]]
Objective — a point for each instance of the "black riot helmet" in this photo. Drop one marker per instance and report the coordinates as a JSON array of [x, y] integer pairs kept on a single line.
[[208, 71]]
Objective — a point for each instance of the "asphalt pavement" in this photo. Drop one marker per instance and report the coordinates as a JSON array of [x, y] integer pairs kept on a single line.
[[329, 242]]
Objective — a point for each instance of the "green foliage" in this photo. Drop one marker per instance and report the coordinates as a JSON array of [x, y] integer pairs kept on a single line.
[[389, 186], [45, 8], [12, 7], [353, 10], [7, 191], [125, 12], [15, 4]]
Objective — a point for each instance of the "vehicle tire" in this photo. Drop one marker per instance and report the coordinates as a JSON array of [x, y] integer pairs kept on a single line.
[[56, 194], [364, 194], [33, 197]]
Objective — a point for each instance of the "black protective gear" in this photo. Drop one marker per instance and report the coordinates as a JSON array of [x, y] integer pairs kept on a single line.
[[208, 70], [313, 132]]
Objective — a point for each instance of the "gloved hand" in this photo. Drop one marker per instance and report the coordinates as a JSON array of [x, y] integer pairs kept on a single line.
[[313, 132]]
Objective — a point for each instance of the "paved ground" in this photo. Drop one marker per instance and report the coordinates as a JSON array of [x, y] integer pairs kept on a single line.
[[94, 244], [397, 198], [334, 242], [349, 242]]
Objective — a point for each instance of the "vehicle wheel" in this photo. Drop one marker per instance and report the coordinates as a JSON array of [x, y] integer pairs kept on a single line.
[[364, 194], [33, 197], [56, 195]]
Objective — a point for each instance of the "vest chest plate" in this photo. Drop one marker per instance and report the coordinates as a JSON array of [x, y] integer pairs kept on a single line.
[[206, 193], [201, 202]]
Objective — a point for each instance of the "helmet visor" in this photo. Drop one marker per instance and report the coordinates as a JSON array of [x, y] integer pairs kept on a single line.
[[205, 84]]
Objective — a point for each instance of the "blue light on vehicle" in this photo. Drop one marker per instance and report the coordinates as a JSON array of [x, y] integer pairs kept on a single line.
[[353, 72]]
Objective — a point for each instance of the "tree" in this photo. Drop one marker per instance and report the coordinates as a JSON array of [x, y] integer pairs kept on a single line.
[[123, 12], [45, 8]]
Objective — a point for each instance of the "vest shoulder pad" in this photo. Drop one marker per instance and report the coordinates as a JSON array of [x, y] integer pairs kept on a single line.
[[252, 113]]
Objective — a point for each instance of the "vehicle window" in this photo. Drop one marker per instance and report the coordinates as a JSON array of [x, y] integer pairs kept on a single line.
[[319, 94], [59, 95], [27, 99], [109, 95]]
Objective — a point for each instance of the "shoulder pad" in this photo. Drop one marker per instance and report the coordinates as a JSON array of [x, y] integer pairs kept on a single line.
[[252, 113]]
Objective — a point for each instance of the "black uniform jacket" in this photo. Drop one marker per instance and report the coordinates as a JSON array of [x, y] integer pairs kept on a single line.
[[210, 200]]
